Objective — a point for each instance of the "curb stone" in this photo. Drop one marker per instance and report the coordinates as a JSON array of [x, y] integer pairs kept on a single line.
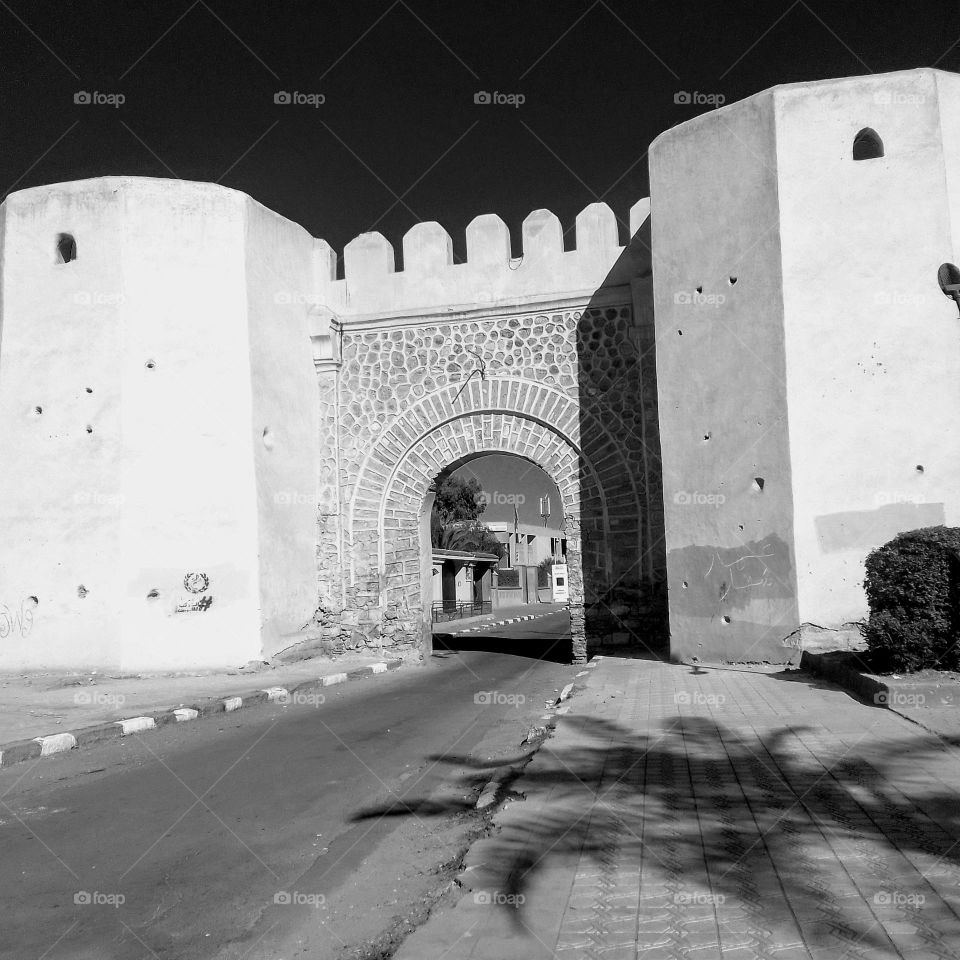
[[845, 676], [886, 694], [19, 750], [501, 623], [538, 734]]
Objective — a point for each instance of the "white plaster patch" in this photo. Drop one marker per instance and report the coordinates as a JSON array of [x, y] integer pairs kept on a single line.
[[232, 703], [186, 713], [136, 724], [56, 743]]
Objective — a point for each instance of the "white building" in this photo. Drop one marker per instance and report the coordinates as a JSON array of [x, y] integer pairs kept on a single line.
[[528, 544]]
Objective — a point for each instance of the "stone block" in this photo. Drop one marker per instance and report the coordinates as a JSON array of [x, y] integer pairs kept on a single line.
[[97, 733], [19, 750]]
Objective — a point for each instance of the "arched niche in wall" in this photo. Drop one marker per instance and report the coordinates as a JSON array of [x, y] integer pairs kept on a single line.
[[66, 248], [867, 145]]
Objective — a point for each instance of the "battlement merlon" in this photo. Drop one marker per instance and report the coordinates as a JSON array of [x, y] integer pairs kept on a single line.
[[372, 287]]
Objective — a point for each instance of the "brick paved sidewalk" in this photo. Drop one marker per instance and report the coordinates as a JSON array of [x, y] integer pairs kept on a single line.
[[701, 812]]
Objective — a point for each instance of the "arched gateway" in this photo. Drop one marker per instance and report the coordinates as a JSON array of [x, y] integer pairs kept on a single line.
[[548, 357], [435, 437]]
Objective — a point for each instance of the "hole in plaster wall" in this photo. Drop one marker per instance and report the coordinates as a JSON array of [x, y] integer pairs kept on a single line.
[[919, 468], [685, 584], [699, 289], [150, 364], [758, 483], [732, 281], [679, 333], [66, 248], [82, 591], [38, 410], [33, 601], [153, 594], [89, 428], [268, 440], [707, 436], [726, 619], [740, 525], [89, 389]]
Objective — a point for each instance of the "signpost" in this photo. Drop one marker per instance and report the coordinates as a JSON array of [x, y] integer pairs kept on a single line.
[[560, 588]]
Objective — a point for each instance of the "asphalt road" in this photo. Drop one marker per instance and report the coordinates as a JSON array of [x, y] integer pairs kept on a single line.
[[186, 842]]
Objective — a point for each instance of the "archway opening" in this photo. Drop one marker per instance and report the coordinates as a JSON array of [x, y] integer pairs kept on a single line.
[[498, 550]]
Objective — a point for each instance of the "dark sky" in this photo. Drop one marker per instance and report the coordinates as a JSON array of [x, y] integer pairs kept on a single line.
[[399, 138]]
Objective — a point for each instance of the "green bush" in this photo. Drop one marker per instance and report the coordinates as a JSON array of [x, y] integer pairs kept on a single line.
[[508, 578], [912, 587]]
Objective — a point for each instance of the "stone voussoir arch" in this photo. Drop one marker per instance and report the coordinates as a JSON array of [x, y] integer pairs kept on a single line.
[[548, 411], [498, 415]]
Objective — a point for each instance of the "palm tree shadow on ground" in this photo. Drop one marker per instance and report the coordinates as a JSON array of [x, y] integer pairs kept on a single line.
[[761, 825]]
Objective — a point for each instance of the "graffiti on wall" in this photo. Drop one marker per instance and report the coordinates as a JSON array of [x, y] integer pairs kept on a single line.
[[199, 601], [17, 621]]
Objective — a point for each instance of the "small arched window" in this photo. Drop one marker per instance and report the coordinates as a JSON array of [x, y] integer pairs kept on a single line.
[[66, 248], [867, 145]]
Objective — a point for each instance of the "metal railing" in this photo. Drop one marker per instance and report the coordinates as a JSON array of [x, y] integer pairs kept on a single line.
[[454, 610]]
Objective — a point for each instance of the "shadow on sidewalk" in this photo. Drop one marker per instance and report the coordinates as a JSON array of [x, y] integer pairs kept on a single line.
[[714, 818]]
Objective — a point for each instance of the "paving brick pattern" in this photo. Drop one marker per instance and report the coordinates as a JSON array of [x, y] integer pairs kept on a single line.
[[720, 814]]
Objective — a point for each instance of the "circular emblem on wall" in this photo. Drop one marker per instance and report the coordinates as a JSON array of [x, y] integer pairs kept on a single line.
[[196, 582]]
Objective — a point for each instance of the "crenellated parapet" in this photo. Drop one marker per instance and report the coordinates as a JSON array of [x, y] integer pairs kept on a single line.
[[430, 281]]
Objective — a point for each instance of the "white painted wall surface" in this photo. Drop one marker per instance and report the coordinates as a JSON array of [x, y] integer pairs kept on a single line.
[[720, 380], [172, 479], [285, 420], [61, 489], [873, 347]]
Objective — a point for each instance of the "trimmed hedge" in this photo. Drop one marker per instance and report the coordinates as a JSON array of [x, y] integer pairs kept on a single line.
[[912, 586], [508, 578]]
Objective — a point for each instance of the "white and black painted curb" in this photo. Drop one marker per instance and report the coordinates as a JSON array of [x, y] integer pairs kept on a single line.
[[535, 736], [477, 628], [303, 693]]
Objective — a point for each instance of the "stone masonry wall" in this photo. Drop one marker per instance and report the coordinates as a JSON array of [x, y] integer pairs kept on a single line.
[[558, 377]]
